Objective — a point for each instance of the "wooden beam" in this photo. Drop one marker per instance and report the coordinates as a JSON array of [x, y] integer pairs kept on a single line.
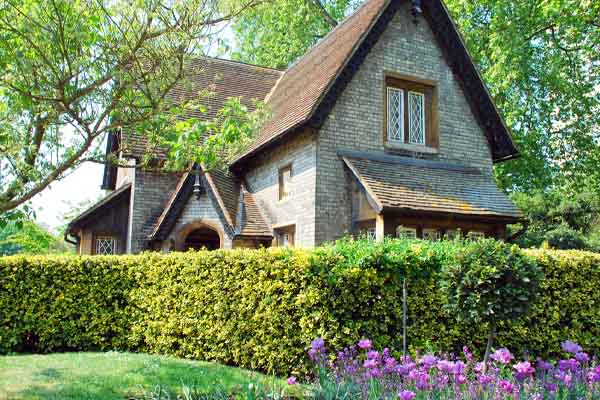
[[379, 228]]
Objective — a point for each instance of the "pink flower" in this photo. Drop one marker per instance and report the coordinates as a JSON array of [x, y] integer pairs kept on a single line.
[[365, 344], [370, 363], [503, 356], [524, 370], [291, 380], [406, 395], [506, 386]]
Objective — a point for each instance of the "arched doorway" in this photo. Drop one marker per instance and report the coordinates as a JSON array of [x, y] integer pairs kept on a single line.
[[202, 238], [198, 235]]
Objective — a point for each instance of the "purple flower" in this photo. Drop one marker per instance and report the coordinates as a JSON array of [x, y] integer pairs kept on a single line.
[[406, 395], [468, 354], [594, 375], [582, 357], [523, 370], [445, 366], [543, 365], [428, 361], [460, 379], [365, 344], [372, 355], [318, 344], [370, 363], [503, 356], [568, 365], [551, 387], [485, 379], [571, 347], [291, 380], [506, 386]]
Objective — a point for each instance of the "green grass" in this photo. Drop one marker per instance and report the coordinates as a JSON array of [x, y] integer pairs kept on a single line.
[[112, 375]]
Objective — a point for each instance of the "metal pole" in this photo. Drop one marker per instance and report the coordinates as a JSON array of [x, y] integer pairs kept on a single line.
[[404, 316]]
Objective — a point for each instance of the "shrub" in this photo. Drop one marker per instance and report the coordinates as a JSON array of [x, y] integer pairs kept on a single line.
[[261, 308], [489, 282]]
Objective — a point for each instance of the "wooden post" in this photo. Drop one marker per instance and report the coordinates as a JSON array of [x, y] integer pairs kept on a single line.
[[379, 228]]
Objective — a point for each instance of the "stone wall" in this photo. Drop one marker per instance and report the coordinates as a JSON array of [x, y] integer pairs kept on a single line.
[[299, 208], [204, 210], [356, 121]]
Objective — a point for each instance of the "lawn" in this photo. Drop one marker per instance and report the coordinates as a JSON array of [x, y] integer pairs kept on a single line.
[[111, 375]]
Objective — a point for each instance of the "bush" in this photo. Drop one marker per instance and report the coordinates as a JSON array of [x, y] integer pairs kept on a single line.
[[490, 282], [261, 308]]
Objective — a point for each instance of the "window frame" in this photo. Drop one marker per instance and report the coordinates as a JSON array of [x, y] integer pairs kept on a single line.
[[281, 195], [476, 235], [403, 229], [429, 90], [427, 231], [106, 237]]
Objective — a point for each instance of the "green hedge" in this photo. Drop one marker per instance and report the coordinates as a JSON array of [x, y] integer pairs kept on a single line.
[[261, 308]]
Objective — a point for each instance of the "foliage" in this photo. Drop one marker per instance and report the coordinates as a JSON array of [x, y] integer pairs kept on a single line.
[[118, 376], [29, 238], [489, 282], [564, 218], [276, 33], [539, 59], [260, 309], [361, 372], [73, 71]]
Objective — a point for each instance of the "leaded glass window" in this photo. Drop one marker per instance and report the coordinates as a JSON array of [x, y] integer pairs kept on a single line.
[[406, 232], [395, 110], [106, 245], [431, 234], [416, 118]]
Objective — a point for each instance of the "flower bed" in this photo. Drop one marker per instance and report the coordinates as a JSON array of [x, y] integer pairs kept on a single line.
[[363, 372]]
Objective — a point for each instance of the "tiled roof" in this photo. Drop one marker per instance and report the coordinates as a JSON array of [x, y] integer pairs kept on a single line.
[[304, 84], [252, 222], [101, 206], [404, 184], [223, 79]]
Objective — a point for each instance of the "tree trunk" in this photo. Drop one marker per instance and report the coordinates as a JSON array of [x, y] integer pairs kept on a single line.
[[488, 348]]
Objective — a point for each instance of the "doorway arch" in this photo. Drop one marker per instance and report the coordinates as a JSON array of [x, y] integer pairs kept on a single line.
[[199, 235]]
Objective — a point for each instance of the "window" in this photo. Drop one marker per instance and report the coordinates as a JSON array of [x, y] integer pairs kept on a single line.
[[106, 245], [406, 232], [452, 234], [371, 234], [476, 235], [395, 99], [285, 179], [416, 118], [431, 234], [285, 236], [410, 117]]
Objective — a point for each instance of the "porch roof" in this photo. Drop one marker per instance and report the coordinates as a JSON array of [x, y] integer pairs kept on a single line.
[[99, 208], [396, 183]]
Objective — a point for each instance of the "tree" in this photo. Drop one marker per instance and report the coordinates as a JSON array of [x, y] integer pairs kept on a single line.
[[72, 71], [490, 282], [541, 61], [28, 237]]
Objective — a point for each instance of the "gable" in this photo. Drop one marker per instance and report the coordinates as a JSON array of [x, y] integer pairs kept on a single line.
[[309, 89]]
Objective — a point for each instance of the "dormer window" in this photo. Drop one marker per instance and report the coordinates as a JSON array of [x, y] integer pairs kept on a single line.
[[410, 118]]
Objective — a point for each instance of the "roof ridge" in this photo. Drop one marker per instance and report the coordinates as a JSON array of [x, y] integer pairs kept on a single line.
[[281, 71]]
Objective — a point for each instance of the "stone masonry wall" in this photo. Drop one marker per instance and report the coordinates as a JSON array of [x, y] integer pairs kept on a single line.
[[299, 208], [356, 121]]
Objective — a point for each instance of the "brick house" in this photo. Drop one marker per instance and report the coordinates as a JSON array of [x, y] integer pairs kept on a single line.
[[384, 127]]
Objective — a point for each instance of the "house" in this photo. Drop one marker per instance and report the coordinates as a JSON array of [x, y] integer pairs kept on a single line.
[[384, 127]]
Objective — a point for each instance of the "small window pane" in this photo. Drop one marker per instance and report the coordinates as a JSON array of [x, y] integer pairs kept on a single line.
[[452, 234], [476, 235], [431, 234], [395, 110], [106, 245], [416, 118], [371, 234], [285, 178], [406, 232]]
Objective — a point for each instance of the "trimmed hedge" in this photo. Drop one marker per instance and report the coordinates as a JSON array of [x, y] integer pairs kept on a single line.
[[261, 308]]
